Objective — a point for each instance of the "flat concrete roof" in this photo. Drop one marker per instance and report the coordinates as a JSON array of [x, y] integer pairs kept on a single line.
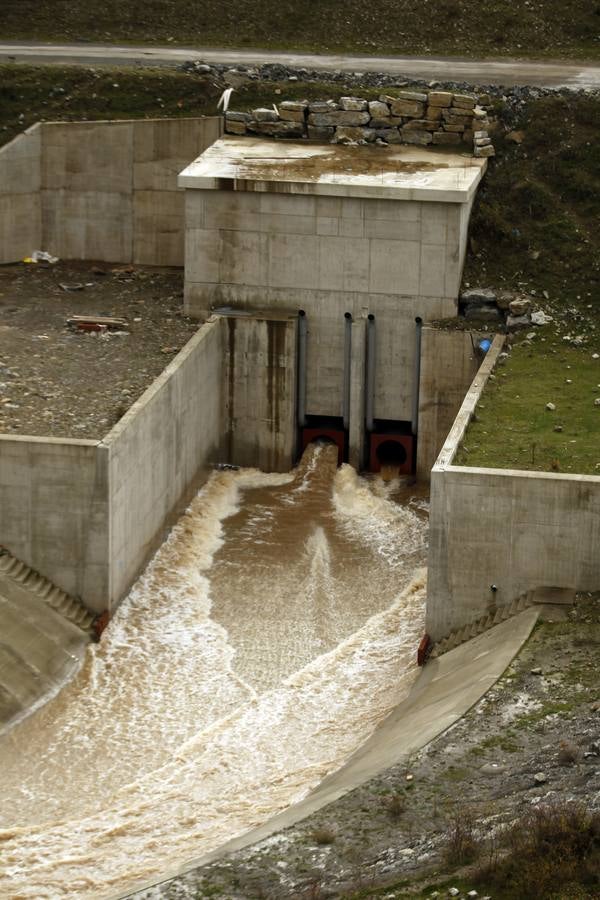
[[399, 172]]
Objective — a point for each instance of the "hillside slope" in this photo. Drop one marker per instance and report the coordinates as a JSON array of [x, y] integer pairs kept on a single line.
[[536, 28]]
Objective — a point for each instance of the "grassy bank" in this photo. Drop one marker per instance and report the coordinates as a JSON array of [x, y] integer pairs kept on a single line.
[[514, 429], [534, 231], [460, 27]]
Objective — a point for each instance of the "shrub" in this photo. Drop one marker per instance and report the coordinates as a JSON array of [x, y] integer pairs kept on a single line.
[[323, 836], [462, 843], [553, 852]]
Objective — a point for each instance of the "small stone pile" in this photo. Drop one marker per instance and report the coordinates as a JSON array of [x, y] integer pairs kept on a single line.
[[515, 311], [411, 117]]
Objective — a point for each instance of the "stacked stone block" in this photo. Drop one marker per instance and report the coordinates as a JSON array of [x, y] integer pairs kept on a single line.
[[437, 118]]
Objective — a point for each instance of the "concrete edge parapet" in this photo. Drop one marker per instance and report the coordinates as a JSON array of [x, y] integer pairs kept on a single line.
[[472, 397], [128, 419]]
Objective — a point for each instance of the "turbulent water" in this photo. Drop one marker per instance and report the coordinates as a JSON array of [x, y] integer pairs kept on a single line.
[[272, 632]]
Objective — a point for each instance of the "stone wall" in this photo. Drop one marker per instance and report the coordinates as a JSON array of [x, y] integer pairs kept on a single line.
[[436, 118]]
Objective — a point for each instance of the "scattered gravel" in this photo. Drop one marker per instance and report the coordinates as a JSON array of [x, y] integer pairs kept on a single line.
[[61, 383]]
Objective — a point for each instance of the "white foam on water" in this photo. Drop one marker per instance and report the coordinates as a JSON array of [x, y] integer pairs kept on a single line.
[[233, 775], [162, 671], [160, 751], [364, 511]]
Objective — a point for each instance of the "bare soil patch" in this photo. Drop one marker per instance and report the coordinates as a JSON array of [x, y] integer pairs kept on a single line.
[[59, 382]]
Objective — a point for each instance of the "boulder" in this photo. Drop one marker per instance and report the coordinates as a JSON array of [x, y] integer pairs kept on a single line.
[[392, 122], [478, 297], [445, 137], [514, 322], [322, 106], [347, 134], [389, 135], [483, 313], [279, 129], [379, 110], [413, 96], [411, 108], [353, 103], [483, 152], [265, 115], [291, 115], [519, 307], [440, 98], [321, 134], [233, 127], [416, 137], [420, 125], [339, 117], [464, 101], [434, 113], [231, 116], [539, 317]]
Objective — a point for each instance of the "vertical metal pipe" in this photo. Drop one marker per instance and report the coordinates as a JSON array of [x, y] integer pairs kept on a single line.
[[302, 337], [370, 385], [347, 368], [416, 376]]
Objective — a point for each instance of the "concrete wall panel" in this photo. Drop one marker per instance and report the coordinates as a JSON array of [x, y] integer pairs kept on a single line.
[[160, 451], [88, 225], [20, 207], [158, 228], [517, 530], [395, 323], [162, 147], [260, 391], [88, 156], [54, 511], [449, 364]]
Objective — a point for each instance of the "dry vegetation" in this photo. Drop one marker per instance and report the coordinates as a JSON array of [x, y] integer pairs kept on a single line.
[[459, 27]]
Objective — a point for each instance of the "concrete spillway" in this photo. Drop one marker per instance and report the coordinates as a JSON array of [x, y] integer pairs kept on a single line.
[[270, 635]]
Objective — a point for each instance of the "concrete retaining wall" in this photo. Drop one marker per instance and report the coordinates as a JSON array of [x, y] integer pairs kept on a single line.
[[260, 390], [329, 256], [86, 514], [449, 362], [54, 511], [160, 452], [20, 201], [517, 530], [99, 190]]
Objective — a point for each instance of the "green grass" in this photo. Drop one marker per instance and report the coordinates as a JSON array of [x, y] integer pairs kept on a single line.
[[464, 27], [513, 428]]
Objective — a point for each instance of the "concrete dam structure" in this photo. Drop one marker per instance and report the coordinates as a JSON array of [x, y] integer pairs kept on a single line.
[[356, 247], [258, 640]]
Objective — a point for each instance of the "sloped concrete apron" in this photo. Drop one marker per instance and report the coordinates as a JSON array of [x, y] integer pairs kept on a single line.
[[444, 691]]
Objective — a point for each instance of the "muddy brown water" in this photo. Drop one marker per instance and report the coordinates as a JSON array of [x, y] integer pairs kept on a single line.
[[272, 632]]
